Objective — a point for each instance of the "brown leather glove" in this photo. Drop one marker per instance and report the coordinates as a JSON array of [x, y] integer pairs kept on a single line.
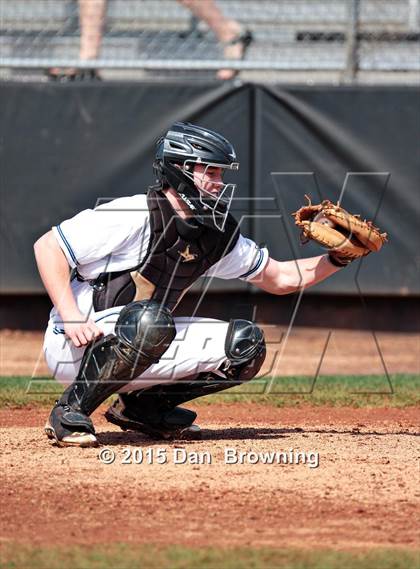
[[346, 236]]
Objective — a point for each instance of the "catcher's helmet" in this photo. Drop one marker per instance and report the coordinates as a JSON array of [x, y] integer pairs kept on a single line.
[[184, 146]]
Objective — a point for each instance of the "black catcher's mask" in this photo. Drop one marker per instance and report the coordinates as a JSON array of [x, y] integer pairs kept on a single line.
[[177, 153]]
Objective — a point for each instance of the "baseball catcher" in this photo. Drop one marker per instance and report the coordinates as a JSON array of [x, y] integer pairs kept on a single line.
[[131, 260]]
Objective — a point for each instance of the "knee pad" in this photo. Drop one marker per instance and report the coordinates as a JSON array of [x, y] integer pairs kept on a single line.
[[245, 350], [145, 329]]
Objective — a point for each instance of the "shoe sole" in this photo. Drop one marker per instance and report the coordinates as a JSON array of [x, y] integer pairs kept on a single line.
[[83, 440], [191, 432]]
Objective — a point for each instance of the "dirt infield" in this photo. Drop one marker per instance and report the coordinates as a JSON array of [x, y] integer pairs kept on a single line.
[[364, 493], [299, 353]]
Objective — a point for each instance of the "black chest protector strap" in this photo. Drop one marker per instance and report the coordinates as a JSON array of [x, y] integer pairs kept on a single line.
[[179, 252]]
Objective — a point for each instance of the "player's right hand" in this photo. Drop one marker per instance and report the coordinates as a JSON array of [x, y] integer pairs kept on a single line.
[[82, 333]]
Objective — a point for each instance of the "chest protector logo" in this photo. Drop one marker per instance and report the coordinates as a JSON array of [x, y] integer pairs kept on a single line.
[[187, 256], [179, 252]]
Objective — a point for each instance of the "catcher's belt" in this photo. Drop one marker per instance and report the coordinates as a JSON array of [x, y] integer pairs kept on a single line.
[[179, 252], [346, 236]]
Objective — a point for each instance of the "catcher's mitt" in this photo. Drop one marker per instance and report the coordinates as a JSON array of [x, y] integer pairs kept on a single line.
[[346, 236]]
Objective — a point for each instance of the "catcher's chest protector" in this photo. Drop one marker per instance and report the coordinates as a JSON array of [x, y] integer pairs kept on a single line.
[[179, 252]]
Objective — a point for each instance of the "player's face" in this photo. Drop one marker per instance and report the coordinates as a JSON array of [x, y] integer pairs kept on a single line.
[[215, 195], [208, 178]]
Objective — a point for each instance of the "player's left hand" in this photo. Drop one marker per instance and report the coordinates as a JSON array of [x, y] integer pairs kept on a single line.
[[346, 236]]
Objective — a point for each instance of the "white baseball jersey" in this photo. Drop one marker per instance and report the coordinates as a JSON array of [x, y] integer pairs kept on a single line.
[[115, 237]]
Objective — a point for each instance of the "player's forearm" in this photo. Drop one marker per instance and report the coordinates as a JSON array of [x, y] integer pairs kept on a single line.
[[54, 271], [284, 277], [304, 273]]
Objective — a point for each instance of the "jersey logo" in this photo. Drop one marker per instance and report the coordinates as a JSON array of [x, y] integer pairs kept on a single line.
[[187, 256]]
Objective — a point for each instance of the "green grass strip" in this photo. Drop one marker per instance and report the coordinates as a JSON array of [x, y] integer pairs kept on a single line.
[[402, 390], [128, 556]]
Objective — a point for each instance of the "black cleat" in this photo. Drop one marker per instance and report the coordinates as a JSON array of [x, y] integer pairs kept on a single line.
[[70, 433], [176, 423]]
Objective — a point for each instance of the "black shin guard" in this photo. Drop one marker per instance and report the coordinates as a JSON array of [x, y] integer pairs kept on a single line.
[[164, 397], [143, 332], [245, 350]]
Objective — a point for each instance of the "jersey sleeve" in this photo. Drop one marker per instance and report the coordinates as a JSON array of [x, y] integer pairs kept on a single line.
[[94, 234], [245, 261]]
